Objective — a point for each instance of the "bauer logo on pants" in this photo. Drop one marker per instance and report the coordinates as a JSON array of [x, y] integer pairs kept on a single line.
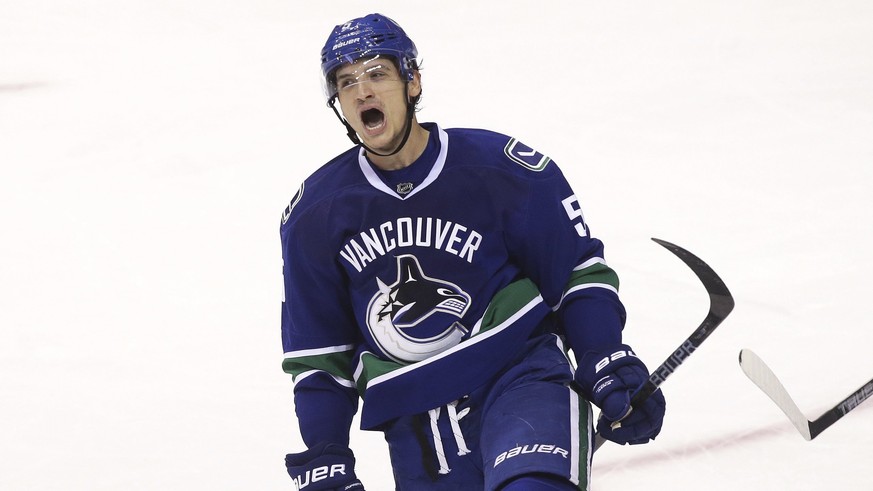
[[530, 449]]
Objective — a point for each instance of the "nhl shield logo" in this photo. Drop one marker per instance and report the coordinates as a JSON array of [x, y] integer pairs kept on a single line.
[[417, 316]]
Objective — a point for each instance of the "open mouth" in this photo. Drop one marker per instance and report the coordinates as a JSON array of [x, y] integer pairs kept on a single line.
[[372, 118]]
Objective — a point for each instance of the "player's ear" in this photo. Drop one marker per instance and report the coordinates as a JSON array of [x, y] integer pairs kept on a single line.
[[415, 85]]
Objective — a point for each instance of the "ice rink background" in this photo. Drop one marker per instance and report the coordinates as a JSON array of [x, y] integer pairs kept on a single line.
[[148, 148]]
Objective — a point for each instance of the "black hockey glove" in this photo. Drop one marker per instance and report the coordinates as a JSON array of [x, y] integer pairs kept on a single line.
[[609, 378], [324, 467]]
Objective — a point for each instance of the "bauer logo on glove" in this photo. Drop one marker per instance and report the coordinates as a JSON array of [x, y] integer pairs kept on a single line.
[[610, 382], [324, 467]]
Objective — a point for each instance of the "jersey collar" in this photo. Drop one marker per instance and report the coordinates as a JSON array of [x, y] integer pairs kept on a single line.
[[376, 182]]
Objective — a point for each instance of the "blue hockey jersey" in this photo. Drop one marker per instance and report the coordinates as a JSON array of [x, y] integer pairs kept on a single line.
[[410, 288]]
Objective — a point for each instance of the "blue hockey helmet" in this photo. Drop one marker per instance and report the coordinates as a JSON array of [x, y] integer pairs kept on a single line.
[[371, 35]]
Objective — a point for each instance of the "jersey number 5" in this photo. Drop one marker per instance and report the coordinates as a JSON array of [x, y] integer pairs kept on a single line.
[[574, 211]]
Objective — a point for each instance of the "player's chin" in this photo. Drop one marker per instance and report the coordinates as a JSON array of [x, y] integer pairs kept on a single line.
[[382, 141]]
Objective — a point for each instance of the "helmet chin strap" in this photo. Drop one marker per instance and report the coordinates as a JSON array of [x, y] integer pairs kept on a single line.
[[350, 132]]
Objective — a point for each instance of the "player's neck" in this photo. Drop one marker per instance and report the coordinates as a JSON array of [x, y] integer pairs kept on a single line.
[[412, 149]]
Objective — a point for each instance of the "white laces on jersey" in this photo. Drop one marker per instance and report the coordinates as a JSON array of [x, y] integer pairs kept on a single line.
[[454, 418]]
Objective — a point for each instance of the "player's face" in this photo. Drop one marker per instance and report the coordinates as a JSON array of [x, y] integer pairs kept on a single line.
[[373, 101]]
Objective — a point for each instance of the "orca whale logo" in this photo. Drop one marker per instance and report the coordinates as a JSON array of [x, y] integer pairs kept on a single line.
[[417, 316]]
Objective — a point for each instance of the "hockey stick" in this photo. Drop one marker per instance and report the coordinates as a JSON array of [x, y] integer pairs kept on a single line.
[[759, 373], [720, 305]]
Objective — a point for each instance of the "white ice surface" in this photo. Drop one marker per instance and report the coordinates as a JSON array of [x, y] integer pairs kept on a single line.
[[148, 147]]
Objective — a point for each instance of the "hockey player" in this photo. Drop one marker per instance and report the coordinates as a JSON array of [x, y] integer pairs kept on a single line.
[[444, 276]]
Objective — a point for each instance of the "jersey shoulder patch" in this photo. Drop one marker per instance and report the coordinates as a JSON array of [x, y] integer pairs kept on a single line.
[[286, 214], [525, 156]]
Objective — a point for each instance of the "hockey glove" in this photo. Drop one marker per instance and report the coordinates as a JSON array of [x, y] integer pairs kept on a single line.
[[324, 467], [609, 378]]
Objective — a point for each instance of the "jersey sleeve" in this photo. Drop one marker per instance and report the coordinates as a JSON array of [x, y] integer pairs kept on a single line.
[[318, 332], [553, 244]]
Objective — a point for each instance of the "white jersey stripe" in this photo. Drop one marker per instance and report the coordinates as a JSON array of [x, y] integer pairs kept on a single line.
[[319, 351]]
